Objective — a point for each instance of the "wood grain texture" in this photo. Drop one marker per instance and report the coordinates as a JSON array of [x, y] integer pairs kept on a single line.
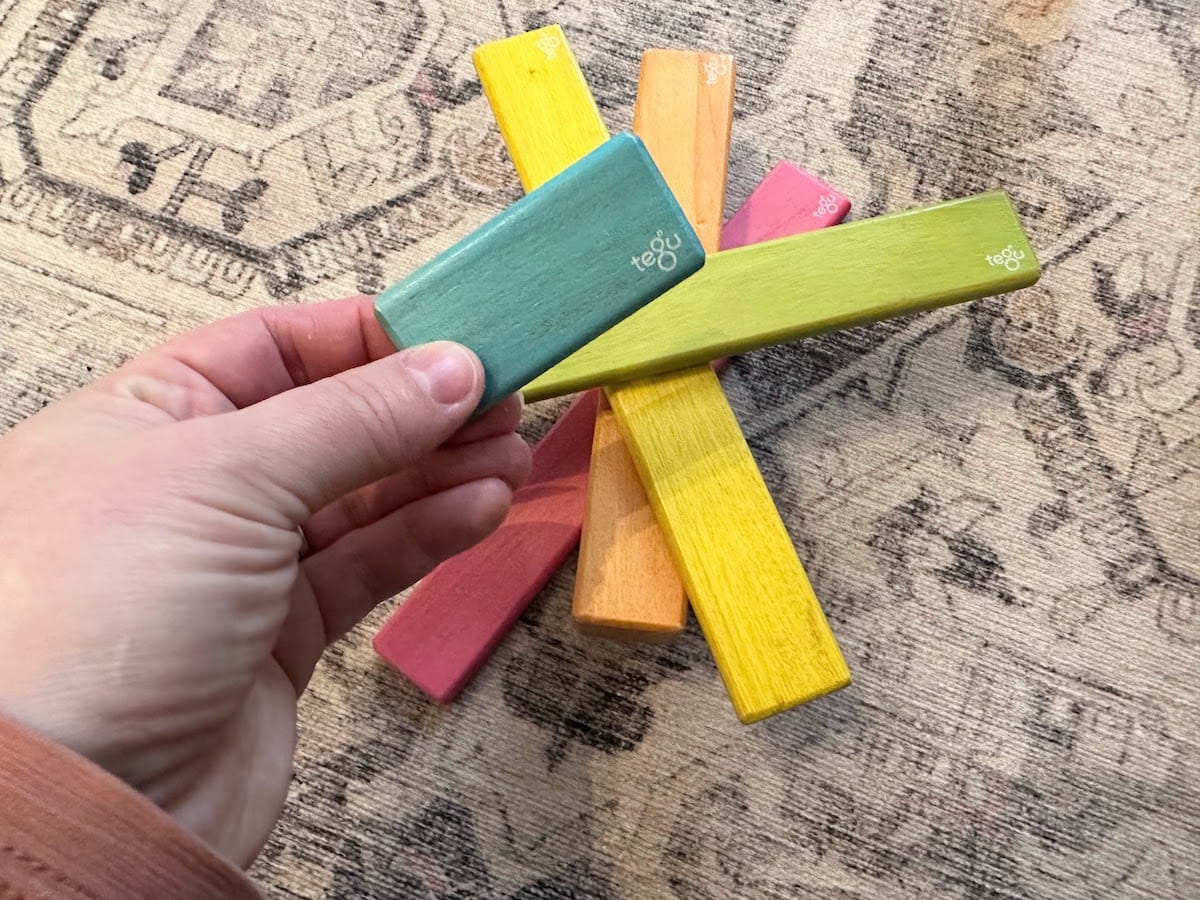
[[771, 642], [781, 205], [535, 87], [454, 618], [626, 585], [821, 281], [618, 594], [684, 114], [557, 268]]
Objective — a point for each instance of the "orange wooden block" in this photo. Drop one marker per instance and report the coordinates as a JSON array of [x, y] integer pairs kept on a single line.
[[685, 112], [626, 584]]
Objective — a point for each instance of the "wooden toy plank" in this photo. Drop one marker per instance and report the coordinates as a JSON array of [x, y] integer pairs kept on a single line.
[[821, 281], [556, 269], [454, 618], [771, 642], [787, 192], [684, 114], [626, 584], [534, 86]]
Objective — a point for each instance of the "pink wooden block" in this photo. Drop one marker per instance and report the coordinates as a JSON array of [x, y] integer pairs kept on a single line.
[[456, 616], [788, 201]]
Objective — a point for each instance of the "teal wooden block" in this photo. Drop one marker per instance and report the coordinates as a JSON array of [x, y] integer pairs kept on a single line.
[[559, 267]]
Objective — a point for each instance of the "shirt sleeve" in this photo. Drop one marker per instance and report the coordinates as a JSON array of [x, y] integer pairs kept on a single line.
[[70, 830]]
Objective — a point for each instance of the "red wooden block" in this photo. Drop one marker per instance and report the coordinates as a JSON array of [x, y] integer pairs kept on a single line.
[[456, 616]]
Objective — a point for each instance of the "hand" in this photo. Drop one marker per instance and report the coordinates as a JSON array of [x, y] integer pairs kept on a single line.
[[159, 612]]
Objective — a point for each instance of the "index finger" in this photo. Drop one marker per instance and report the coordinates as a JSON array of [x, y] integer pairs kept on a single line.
[[263, 352]]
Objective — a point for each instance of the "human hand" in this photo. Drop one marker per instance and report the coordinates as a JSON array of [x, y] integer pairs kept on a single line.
[[158, 612]]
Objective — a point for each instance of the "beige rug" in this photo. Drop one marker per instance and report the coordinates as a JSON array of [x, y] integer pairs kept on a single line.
[[997, 504]]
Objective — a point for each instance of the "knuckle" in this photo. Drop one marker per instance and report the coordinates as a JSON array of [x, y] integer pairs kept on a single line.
[[517, 460], [378, 412]]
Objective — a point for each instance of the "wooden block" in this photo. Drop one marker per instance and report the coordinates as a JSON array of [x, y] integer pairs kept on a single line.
[[770, 640], [626, 585], [556, 269], [454, 618], [821, 281], [618, 595], [787, 192], [535, 87], [684, 113]]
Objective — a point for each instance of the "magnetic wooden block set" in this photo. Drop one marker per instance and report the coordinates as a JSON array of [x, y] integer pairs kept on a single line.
[[619, 275]]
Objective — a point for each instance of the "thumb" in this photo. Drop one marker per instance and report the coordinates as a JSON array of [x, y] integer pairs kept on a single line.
[[320, 441]]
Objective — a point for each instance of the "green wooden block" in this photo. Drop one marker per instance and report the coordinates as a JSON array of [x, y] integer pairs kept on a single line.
[[557, 268], [799, 286]]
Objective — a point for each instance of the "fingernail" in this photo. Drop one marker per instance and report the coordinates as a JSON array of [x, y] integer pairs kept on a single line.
[[447, 370]]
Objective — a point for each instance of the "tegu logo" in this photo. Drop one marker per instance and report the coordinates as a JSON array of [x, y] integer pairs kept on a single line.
[[826, 206], [1008, 257], [549, 46], [714, 69], [661, 253]]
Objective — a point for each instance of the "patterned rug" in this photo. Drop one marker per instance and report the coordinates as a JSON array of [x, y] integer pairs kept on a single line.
[[997, 503]]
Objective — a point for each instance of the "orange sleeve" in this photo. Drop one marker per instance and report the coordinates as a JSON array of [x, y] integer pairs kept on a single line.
[[70, 830]]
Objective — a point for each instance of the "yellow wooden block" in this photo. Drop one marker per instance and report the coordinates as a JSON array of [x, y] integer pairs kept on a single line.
[[757, 665], [768, 635], [772, 644], [626, 585], [541, 101]]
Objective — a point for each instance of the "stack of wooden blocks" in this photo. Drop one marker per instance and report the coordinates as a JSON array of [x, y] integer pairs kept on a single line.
[[618, 275]]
